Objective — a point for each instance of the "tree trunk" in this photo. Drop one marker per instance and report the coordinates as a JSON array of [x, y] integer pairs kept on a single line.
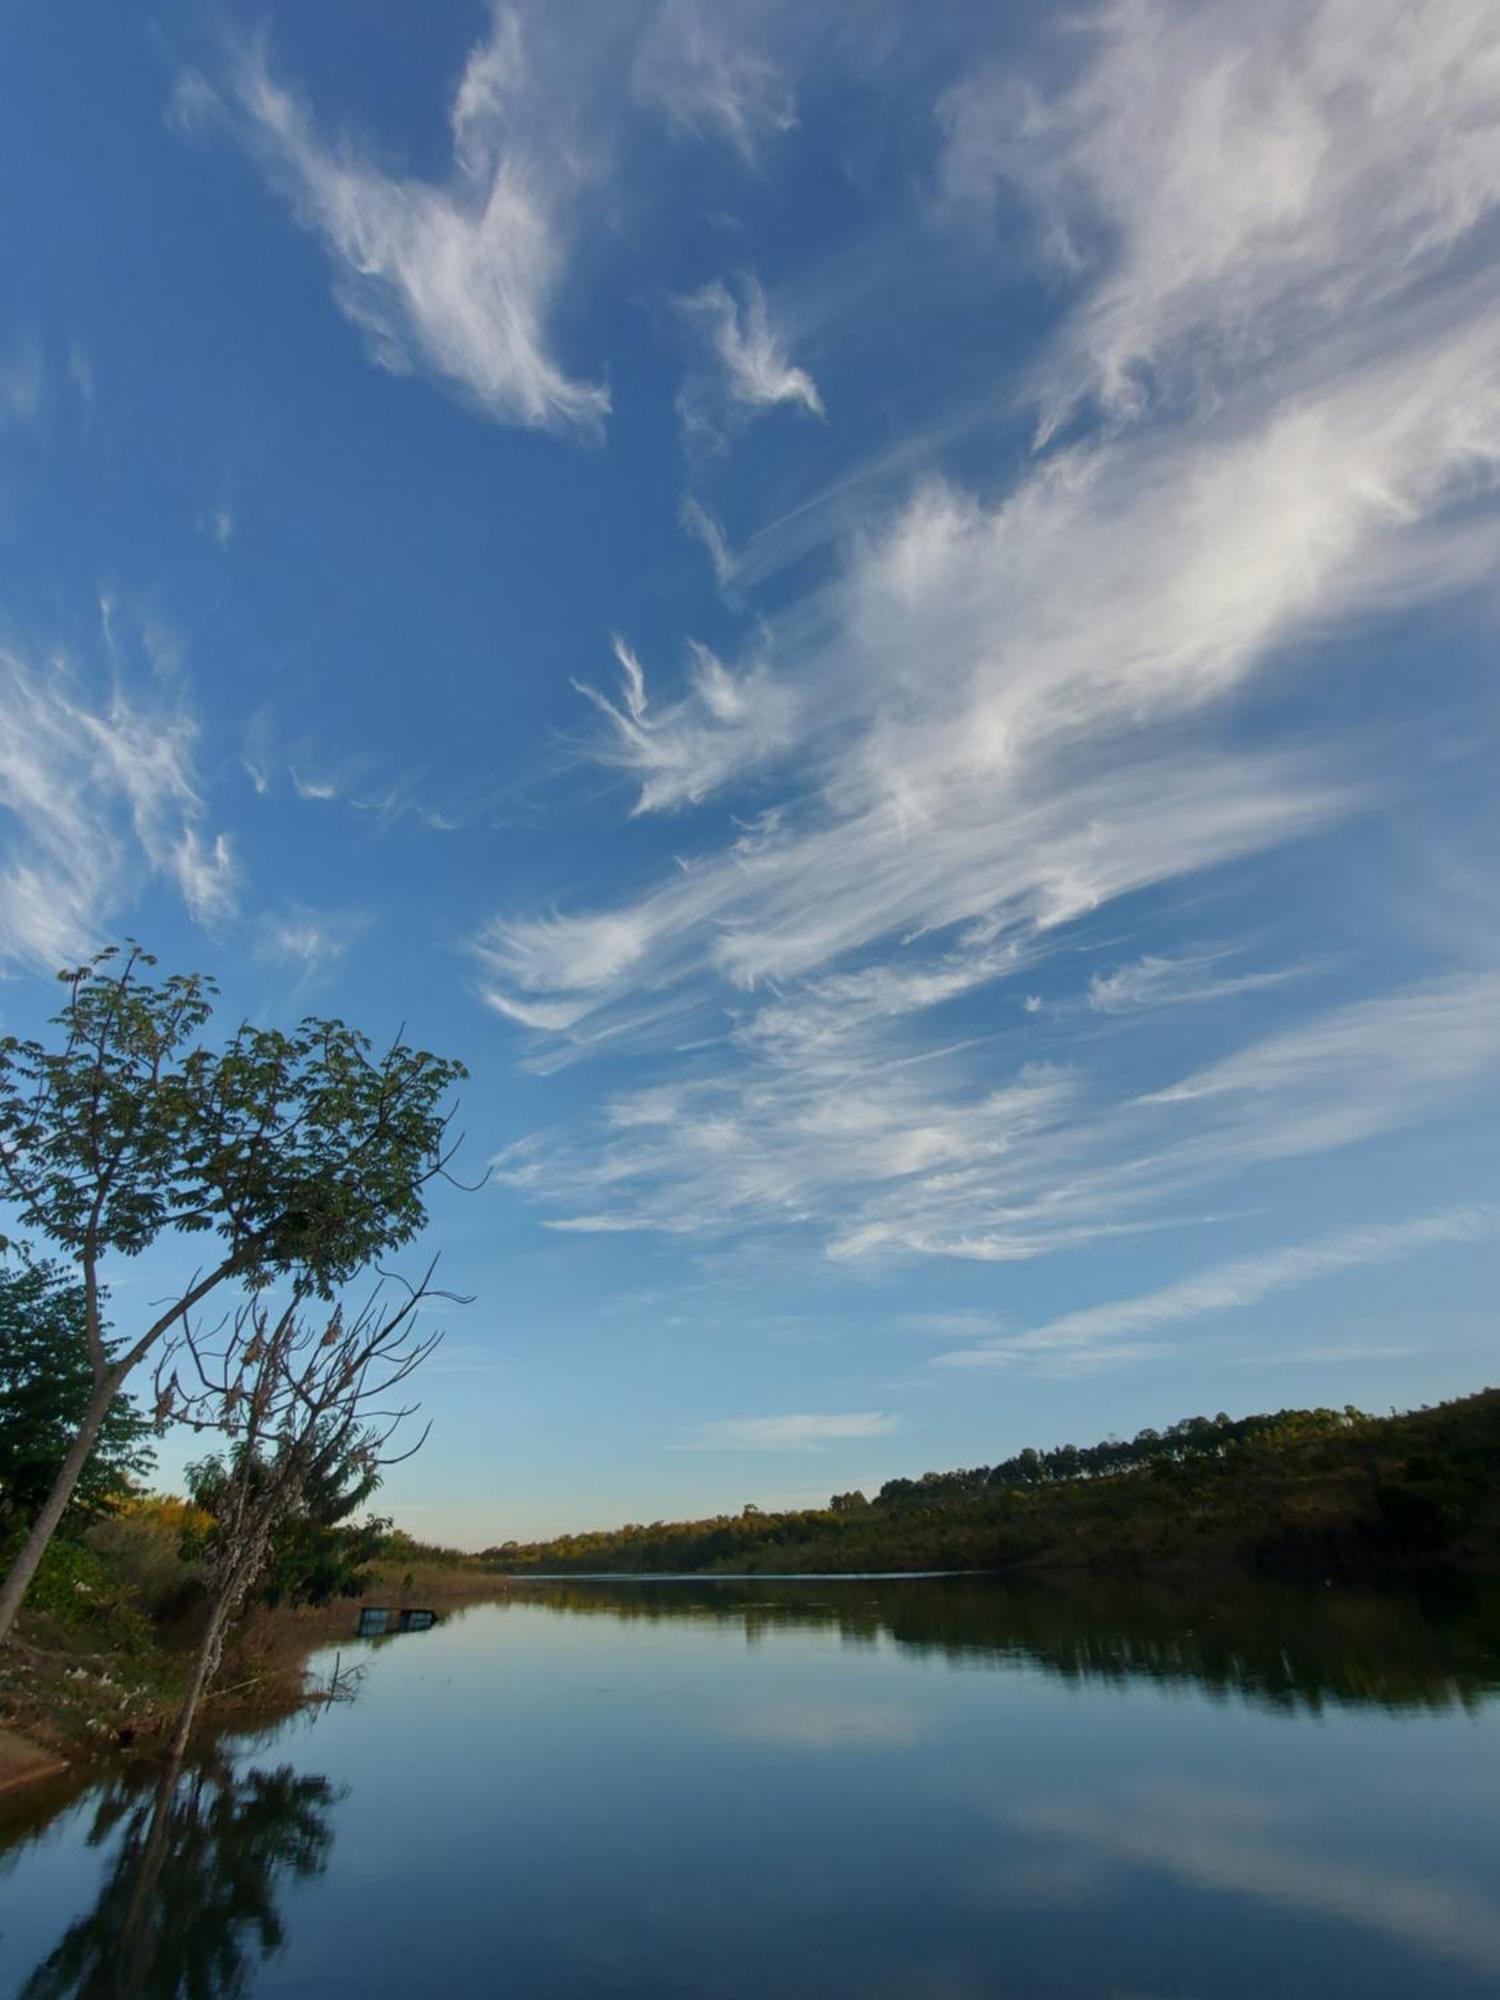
[[24, 1568], [204, 1668], [44, 1527]]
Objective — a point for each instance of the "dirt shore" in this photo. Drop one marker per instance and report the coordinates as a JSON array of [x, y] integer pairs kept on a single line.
[[23, 1762]]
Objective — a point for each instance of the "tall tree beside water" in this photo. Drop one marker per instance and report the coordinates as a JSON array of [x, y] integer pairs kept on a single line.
[[300, 1156]]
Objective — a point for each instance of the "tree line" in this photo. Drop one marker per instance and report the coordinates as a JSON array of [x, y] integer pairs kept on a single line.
[[1317, 1490], [1179, 1444]]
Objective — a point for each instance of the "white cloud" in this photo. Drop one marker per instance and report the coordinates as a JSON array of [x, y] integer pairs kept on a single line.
[[457, 279], [310, 941], [697, 69], [725, 724], [208, 876], [754, 370], [1018, 703], [1167, 982], [1235, 180], [835, 1115], [1357, 1069], [1232, 1287], [798, 1433], [318, 789], [701, 525], [989, 861], [96, 798]]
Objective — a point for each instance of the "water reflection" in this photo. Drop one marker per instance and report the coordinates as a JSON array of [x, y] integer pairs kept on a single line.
[[188, 1904], [1283, 1647], [1247, 1844], [947, 1785]]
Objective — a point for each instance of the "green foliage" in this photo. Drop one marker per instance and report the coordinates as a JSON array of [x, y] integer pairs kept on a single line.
[[317, 1553], [397, 1549], [1327, 1491], [303, 1152], [46, 1380], [80, 1594]]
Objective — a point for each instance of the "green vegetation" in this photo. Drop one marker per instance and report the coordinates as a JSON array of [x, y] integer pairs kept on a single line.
[[1302, 1492], [315, 1552], [113, 1623], [114, 1638], [46, 1380], [301, 1157]]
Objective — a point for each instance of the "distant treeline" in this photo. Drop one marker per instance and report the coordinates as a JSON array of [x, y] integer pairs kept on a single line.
[[1178, 1444], [1296, 1490]]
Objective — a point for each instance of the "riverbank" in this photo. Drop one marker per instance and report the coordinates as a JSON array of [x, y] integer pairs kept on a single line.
[[99, 1661]]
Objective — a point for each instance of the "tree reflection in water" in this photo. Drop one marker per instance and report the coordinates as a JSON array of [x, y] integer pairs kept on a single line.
[[189, 1900], [1432, 1644]]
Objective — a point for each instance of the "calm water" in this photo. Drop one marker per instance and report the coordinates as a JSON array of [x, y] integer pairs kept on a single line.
[[923, 1787]]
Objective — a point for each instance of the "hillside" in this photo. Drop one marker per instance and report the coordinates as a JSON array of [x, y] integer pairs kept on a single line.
[[1327, 1492]]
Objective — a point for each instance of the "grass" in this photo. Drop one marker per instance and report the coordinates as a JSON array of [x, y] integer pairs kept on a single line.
[[103, 1648]]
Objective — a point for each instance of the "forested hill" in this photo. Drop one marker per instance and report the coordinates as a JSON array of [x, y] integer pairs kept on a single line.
[[1325, 1491]]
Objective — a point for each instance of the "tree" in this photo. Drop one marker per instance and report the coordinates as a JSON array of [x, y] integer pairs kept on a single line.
[[320, 1552], [301, 1156], [46, 1380], [316, 1552], [304, 1409]]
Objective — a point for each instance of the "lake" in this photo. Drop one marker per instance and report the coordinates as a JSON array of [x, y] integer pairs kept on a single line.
[[933, 1787]]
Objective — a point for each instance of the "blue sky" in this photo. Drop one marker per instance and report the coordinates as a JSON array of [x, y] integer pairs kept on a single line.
[[884, 618]]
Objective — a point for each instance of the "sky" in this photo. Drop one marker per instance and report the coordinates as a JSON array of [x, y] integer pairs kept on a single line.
[[883, 618]]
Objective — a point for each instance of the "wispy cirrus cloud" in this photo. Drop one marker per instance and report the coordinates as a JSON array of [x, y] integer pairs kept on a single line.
[[754, 371], [454, 279], [1226, 187], [1182, 979], [696, 67], [726, 723], [1356, 1069], [99, 793], [1020, 695], [1230, 1287], [840, 1129], [702, 526], [309, 941], [793, 1433]]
